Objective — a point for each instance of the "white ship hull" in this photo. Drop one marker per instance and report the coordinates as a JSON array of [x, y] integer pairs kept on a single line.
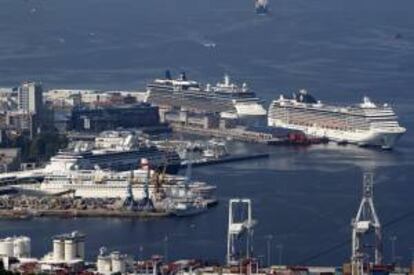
[[373, 137], [115, 190]]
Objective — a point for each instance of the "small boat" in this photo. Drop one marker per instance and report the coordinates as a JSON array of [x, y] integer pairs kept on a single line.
[[189, 208], [261, 6]]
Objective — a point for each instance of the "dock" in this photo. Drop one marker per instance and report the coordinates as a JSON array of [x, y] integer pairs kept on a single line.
[[72, 213], [262, 136], [225, 159], [239, 134]]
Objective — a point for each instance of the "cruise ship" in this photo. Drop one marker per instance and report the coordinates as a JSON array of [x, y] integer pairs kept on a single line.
[[114, 150], [226, 98], [364, 124], [117, 160], [111, 184]]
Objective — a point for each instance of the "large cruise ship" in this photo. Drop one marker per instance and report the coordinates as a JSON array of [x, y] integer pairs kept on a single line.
[[364, 124], [225, 97], [111, 184], [114, 150]]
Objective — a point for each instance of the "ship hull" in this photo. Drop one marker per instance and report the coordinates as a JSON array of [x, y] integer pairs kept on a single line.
[[373, 137], [102, 190]]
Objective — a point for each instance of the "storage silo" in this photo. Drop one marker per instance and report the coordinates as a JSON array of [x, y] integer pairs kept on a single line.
[[7, 247], [19, 248], [70, 249], [58, 249], [27, 246], [118, 262], [80, 248], [103, 264]]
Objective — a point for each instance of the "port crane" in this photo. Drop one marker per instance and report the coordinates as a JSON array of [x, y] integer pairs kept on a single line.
[[365, 223], [238, 228]]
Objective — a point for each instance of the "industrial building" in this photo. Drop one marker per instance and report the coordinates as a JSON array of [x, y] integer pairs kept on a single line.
[[109, 118], [68, 252], [186, 118]]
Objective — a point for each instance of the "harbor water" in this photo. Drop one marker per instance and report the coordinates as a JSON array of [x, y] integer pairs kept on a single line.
[[340, 50]]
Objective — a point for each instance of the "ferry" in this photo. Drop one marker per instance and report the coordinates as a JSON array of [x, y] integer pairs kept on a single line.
[[363, 124]]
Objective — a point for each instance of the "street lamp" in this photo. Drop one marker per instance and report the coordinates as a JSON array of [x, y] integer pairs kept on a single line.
[[280, 250], [141, 252], [393, 239], [166, 248], [268, 243]]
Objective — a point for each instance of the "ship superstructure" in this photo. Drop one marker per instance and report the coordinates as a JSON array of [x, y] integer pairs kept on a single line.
[[224, 98], [364, 124]]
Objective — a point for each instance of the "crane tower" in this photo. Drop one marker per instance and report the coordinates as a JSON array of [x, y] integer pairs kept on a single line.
[[365, 222], [237, 228]]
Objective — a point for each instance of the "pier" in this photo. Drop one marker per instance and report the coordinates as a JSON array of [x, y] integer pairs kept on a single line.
[[72, 213], [288, 137], [25, 207], [225, 159], [239, 134]]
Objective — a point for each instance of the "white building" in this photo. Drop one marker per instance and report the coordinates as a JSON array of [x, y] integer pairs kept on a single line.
[[30, 97]]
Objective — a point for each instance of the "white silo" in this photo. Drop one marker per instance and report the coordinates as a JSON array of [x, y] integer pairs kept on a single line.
[[80, 248], [7, 247], [27, 246], [70, 249], [58, 250], [118, 262], [103, 263], [21, 249]]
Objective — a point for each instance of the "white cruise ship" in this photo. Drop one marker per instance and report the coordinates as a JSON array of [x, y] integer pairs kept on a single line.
[[114, 184], [114, 150], [225, 97], [364, 124]]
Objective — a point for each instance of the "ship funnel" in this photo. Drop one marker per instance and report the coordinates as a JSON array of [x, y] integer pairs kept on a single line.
[[102, 251], [244, 87], [168, 74], [226, 80], [183, 77]]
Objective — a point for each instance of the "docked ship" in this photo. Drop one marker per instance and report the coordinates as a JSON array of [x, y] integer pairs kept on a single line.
[[226, 98], [114, 150], [262, 6], [113, 184], [364, 124]]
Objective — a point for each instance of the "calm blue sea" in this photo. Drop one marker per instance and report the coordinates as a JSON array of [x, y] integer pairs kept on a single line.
[[340, 50]]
